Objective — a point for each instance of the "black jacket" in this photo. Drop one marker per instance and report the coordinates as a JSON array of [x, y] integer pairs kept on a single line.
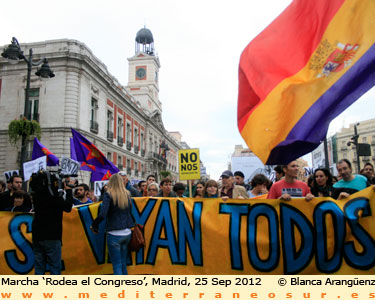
[[47, 223]]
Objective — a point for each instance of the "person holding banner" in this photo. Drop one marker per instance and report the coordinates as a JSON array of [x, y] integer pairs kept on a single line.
[[229, 190], [322, 183], [290, 187], [152, 189], [211, 189], [166, 188], [116, 210], [349, 184]]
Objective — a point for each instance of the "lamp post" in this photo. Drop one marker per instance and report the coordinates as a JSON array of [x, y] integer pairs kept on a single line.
[[14, 54], [354, 141]]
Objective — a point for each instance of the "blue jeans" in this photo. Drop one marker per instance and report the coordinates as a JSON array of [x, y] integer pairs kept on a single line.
[[118, 252], [47, 252]]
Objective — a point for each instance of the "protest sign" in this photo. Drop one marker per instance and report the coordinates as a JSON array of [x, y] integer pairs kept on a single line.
[[98, 185], [189, 164], [9, 174], [69, 166], [34, 166]]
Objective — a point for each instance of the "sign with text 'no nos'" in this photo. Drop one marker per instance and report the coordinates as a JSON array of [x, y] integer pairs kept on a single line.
[[189, 164]]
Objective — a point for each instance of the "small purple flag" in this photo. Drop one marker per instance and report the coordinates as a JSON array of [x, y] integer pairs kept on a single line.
[[90, 156], [40, 150]]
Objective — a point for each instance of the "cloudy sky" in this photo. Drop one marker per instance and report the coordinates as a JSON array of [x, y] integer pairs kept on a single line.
[[198, 42]]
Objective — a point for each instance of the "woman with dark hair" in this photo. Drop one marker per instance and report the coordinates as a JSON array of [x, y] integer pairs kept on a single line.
[[199, 190], [322, 186], [211, 189], [116, 211], [259, 185]]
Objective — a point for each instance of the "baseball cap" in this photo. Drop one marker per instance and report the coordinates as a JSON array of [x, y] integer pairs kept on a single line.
[[239, 173], [122, 173], [227, 173]]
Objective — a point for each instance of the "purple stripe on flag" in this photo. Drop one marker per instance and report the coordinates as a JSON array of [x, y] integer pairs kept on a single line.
[[312, 128]]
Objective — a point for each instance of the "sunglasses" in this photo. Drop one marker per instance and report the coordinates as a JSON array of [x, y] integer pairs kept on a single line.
[[152, 190]]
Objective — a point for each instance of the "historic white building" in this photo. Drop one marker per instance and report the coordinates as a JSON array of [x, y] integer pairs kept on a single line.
[[125, 123]]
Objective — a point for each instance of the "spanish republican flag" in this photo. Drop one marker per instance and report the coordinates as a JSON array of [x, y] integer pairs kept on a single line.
[[302, 71]]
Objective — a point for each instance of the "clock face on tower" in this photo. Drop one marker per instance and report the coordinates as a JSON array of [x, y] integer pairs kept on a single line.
[[140, 73]]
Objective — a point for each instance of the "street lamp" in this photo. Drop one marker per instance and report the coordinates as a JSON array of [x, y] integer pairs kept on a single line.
[[14, 54], [354, 141]]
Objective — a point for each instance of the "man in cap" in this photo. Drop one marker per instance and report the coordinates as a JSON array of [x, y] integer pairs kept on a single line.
[[229, 190], [239, 179]]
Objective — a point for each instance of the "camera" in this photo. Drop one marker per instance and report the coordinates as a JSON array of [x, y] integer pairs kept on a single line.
[[50, 181]]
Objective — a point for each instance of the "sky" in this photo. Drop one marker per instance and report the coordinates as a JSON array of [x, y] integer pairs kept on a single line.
[[199, 44]]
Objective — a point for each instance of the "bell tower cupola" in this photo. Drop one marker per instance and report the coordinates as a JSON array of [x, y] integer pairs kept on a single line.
[[143, 83]]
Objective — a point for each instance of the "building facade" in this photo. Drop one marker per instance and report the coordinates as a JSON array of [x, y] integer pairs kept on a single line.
[[366, 133], [125, 123], [338, 147]]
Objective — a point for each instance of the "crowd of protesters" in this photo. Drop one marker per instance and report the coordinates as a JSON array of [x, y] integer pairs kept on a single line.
[[116, 198], [230, 186]]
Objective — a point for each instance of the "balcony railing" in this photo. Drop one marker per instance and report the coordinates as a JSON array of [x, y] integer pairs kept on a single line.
[[120, 141], [120, 166], [143, 152], [136, 172], [136, 149], [128, 170], [94, 126], [110, 136], [128, 145]]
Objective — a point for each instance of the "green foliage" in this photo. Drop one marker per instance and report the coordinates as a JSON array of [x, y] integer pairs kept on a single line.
[[23, 127], [165, 174]]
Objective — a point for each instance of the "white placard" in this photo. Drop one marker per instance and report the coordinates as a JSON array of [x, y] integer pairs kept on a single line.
[[98, 186], [309, 171], [34, 166], [10, 173], [69, 166]]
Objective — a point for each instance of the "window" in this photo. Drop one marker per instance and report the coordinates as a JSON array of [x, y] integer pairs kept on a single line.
[[364, 139], [33, 104], [94, 108], [136, 137], [94, 126], [109, 156], [128, 133], [119, 127], [119, 162], [109, 121], [142, 141], [109, 125]]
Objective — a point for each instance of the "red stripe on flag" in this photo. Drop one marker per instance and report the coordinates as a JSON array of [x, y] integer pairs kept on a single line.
[[281, 50]]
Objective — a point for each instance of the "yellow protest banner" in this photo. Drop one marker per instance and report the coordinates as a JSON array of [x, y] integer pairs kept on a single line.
[[189, 164], [212, 236]]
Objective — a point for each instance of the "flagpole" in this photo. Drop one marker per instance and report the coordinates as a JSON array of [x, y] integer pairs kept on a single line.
[[326, 153]]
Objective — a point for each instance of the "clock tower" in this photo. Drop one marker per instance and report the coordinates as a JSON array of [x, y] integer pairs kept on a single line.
[[143, 83]]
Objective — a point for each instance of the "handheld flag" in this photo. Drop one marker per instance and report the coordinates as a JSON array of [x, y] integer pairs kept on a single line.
[[40, 150], [100, 175], [90, 156], [84, 165], [302, 71]]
